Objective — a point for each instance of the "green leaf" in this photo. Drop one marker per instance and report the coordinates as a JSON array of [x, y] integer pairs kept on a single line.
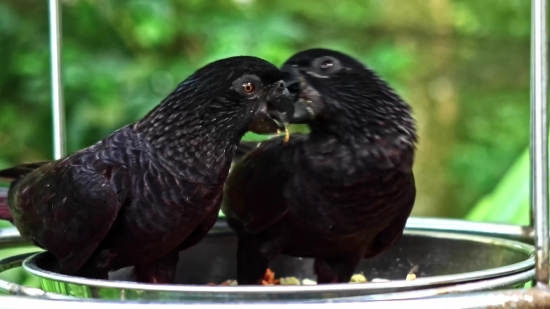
[[509, 201]]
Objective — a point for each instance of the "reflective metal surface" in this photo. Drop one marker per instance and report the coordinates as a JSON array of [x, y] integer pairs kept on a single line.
[[515, 280], [506, 231], [442, 259], [10, 237], [533, 298], [539, 137], [18, 290], [58, 108]]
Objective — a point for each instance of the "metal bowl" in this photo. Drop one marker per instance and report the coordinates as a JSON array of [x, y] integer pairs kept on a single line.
[[442, 260]]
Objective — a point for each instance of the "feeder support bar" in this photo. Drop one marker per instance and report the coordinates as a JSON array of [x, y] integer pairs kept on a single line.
[[57, 80], [539, 138]]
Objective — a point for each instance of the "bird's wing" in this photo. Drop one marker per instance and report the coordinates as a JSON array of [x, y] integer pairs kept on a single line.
[[254, 191], [68, 206], [393, 232]]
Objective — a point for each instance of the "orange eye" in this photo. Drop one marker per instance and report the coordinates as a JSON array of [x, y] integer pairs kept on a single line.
[[248, 87]]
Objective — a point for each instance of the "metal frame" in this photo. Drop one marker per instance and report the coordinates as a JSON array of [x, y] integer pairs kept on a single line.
[[536, 297], [539, 137], [58, 107]]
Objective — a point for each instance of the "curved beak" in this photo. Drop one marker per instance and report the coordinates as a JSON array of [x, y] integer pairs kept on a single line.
[[306, 99], [274, 115]]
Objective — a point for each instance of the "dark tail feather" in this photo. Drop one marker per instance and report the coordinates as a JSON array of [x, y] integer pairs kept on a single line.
[[244, 148], [4, 209], [12, 174]]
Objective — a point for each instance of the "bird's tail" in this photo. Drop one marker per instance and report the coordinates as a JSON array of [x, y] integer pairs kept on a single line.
[[244, 148], [13, 175]]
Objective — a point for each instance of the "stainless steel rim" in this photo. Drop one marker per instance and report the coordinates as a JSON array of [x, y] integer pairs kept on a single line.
[[16, 289], [30, 266]]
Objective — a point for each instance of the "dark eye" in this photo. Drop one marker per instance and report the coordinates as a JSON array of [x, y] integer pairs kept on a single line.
[[248, 87], [326, 65]]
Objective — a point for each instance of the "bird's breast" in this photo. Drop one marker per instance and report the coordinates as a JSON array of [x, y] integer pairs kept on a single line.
[[339, 210]]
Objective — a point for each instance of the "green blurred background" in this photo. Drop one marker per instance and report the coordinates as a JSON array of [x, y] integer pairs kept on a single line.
[[463, 65]]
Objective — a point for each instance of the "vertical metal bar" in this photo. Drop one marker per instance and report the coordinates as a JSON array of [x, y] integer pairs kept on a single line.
[[58, 109], [539, 137]]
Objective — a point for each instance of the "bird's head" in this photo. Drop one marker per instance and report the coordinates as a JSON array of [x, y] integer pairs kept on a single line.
[[201, 122], [250, 87], [336, 94], [240, 93]]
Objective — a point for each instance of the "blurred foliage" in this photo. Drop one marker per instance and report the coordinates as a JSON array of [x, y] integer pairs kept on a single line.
[[510, 201], [462, 64]]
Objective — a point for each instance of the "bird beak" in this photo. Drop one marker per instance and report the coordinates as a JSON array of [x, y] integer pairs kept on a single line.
[[304, 111], [273, 116]]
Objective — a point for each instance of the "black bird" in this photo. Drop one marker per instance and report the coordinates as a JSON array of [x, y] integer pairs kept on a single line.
[[151, 188], [339, 194]]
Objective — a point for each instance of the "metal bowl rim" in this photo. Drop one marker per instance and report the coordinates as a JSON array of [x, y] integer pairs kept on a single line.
[[30, 266]]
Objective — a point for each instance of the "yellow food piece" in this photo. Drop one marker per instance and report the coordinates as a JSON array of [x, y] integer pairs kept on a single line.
[[358, 278], [410, 277], [290, 281], [379, 280], [287, 135], [308, 282]]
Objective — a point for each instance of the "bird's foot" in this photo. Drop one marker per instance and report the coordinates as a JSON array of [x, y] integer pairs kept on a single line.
[[161, 271], [336, 270]]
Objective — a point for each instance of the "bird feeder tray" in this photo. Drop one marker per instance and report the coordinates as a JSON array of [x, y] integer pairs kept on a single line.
[[442, 259]]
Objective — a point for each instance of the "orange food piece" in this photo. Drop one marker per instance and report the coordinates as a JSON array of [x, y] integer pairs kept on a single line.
[[269, 278]]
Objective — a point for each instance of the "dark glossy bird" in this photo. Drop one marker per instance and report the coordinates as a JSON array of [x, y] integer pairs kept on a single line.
[[339, 194], [153, 187]]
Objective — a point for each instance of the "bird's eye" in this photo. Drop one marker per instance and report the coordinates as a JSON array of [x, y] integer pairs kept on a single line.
[[248, 87], [326, 64]]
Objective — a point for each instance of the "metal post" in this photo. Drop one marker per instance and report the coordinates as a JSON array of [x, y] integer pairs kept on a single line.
[[539, 138], [57, 80]]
